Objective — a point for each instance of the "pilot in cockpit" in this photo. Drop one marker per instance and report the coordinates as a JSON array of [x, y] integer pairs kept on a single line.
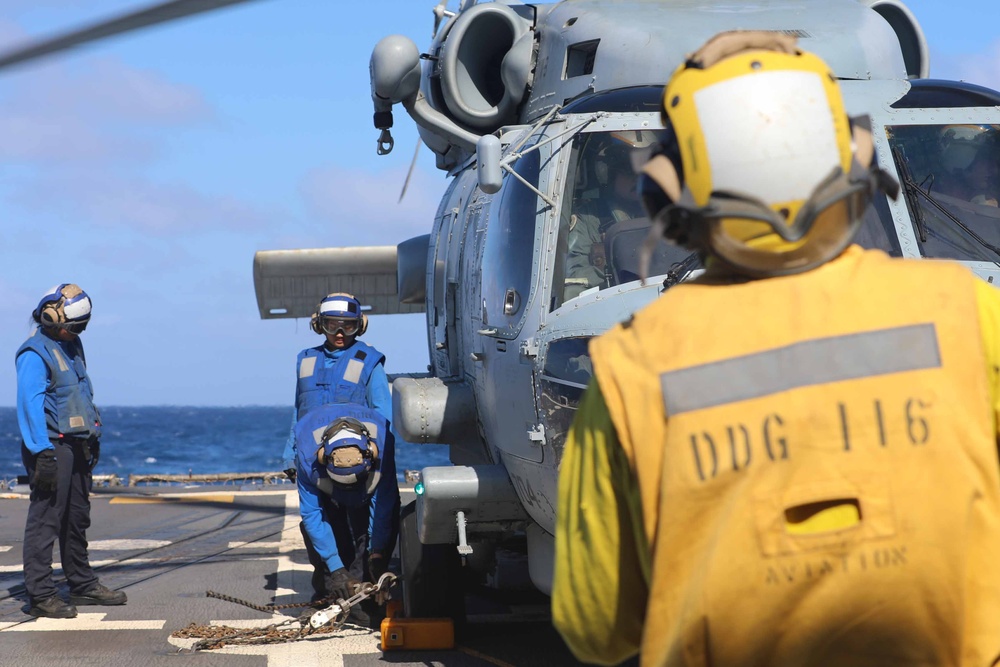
[[970, 164], [614, 200]]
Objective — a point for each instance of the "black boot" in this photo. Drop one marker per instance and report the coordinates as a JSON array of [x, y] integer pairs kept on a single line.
[[52, 607], [98, 594]]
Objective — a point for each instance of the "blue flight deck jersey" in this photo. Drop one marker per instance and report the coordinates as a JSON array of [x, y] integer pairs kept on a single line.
[[377, 395], [31, 383], [384, 499]]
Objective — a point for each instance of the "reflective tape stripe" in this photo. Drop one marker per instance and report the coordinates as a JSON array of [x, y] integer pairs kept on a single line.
[[811, 362], [307, 367], [353, 372], [63, 366]]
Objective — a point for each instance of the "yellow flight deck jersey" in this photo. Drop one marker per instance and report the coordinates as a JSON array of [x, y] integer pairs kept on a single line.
[[793, 471]]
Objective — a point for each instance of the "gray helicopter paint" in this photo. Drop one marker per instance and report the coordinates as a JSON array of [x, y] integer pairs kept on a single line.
[[853, 40]]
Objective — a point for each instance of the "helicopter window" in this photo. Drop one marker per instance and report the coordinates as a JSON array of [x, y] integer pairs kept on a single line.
[[636, 99], [951, 180], [566, 373], [946, 95], [510, 240], [602, 222], [580, 58]]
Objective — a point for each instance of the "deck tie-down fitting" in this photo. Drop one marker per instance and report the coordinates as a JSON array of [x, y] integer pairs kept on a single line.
[[463, 545]]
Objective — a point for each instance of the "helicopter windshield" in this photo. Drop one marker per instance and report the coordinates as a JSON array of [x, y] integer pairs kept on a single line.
[[603, 224], [951, 178]]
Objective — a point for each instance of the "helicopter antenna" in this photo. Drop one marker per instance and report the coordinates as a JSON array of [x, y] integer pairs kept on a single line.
[[413, 164]]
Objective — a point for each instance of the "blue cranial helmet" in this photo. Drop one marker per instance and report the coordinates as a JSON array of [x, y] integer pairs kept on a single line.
[[339, 311], [349, 453], [65, 306]]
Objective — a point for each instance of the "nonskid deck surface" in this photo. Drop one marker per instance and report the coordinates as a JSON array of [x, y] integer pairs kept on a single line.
[[165, 547]]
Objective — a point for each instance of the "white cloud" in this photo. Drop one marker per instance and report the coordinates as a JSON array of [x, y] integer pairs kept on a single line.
[[108, 89], [106, 200], [364, 206], [94, 111], [55, 139]]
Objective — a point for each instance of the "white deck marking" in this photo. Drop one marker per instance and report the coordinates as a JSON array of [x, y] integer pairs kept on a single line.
[[254, 545], [126, 545], [2, 549], [81, 622], [57, 566]]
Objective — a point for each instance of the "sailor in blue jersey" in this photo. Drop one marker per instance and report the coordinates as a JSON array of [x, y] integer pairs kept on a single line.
[[60, 431], [348, 534]]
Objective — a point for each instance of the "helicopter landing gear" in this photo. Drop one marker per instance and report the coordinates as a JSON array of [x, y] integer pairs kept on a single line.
[[432, 574]]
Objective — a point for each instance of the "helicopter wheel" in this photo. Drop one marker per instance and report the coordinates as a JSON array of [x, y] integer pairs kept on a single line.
[[432, 574]]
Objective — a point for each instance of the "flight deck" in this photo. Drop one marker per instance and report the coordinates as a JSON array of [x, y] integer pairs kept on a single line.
[[166, 547]]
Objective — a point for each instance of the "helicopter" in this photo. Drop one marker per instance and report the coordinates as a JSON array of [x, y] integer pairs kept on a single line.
[[538, 115]]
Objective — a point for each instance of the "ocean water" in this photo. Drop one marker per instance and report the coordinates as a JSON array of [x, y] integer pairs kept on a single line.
[[180, 440]]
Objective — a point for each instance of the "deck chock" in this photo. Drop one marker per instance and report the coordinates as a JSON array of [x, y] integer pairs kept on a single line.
[[417, 633]]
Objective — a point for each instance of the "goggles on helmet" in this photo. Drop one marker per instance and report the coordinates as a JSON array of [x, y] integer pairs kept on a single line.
[[75, 327], [747, 233], [334, 325]]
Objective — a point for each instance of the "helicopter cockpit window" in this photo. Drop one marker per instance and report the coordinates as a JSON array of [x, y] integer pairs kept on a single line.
[[566, 373], [602, 221], [951, 179], [510, 240]]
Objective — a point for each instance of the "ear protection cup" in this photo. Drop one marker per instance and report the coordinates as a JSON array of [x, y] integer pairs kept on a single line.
[[50, 315], [364, 325], [314, 323], [49, 312]]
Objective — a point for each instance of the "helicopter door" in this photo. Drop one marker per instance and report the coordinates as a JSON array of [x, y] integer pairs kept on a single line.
[[508, 280], [449, 241]]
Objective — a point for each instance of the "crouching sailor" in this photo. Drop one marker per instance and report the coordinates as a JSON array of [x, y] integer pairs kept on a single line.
[[348, 495]]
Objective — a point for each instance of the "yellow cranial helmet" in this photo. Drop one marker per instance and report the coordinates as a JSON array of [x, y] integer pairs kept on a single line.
[[760, 165]]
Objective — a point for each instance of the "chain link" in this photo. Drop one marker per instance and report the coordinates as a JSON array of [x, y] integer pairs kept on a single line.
[[217, 636]]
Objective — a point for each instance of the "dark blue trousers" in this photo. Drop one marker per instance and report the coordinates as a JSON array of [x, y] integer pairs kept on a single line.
[[350, 531], [64, 516]]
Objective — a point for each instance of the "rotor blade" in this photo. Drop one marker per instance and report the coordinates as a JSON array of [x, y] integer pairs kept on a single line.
[[413, 163], [160, 13]]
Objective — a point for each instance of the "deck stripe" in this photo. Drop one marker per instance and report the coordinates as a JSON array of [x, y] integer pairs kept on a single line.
[[178, 499]]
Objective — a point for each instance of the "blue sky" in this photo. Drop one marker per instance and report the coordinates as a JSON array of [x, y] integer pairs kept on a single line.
[[149, 168]]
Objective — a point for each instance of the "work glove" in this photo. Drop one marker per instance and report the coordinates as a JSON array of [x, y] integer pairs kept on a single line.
[[46, 471], [377, 566], [91, 454], [290, 473], [340, 584]]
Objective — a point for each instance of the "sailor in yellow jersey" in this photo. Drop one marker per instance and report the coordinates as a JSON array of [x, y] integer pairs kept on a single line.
[[791, 460]]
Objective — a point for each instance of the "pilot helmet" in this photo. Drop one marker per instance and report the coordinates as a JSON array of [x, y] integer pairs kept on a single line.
[[759, 165], [349, 454], [339, 312], [64, 306], [961, 144], [612, 160]]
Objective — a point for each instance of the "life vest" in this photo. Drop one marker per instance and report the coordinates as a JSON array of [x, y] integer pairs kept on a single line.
[[69, 396], [346, 381], [816, 457], [309, 433]]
